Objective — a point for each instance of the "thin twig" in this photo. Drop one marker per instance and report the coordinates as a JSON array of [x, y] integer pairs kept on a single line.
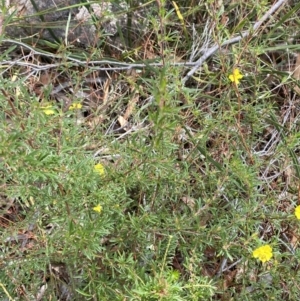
[[112, 65], [234, 40]]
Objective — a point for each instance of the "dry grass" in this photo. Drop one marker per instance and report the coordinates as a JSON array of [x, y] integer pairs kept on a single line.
[[198, 171]]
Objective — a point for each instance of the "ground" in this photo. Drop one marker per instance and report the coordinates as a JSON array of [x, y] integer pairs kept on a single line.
[[165, 170]]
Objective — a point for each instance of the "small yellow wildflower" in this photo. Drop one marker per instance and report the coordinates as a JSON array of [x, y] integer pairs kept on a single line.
[[98, 208], [99, 168], [263, 253], [235, 76], [297, 212], [75, 106], [48, 110]]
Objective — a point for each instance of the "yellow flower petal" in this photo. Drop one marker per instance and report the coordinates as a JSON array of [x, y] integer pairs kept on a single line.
[[235, 76], [48, 110], [75, 106], [263, 253], [297, 212], [99, 168], [98, 208]]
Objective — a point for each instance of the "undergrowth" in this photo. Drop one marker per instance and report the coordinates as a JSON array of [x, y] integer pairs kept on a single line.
[[132, 185]]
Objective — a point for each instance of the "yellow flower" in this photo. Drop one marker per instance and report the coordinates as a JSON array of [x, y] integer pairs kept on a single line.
[[235, 76], [263, 253], [297, 212], [48, 110], [75, 106], [98, 208], [99, 168]]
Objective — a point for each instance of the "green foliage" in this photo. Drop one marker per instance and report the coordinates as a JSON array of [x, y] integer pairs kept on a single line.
[[196, 178]]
